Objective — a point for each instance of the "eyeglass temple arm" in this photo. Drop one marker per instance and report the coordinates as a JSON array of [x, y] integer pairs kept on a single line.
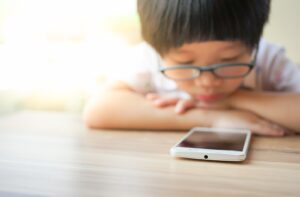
[[255, 55]]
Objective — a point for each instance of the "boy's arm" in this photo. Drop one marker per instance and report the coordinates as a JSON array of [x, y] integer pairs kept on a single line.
[[281, 108], [121, 108]]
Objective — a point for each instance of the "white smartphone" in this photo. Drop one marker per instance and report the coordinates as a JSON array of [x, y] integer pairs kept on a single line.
[[217, 144]]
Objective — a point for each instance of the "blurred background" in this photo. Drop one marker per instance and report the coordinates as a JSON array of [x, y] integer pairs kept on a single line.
[[54, 53]]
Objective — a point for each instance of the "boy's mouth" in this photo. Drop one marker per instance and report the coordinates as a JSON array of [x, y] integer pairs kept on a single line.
[[209, 97]]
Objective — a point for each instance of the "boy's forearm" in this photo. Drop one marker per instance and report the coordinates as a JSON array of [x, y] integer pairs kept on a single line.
[[281, 108], [128, 110]]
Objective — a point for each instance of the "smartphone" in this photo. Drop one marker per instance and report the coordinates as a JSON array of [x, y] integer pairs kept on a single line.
[[219, 144]]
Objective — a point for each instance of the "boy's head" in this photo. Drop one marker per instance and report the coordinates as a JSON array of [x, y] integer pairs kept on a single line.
[[202, 33], [167, 24]]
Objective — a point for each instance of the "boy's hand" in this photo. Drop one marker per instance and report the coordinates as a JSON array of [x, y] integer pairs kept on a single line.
[[183, 105], [244, 119], [228, 118]]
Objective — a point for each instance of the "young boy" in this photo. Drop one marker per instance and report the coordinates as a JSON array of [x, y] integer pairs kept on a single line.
[[203, 64]]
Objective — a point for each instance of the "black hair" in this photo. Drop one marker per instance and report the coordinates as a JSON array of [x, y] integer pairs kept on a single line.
[[167, 24]]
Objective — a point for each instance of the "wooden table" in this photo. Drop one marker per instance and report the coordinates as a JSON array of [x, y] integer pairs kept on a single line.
[[53, 154]]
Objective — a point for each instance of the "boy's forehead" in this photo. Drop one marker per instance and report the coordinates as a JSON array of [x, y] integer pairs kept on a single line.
[[209, 45]]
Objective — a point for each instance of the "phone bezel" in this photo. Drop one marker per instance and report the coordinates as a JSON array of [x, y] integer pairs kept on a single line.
[[212, 154]]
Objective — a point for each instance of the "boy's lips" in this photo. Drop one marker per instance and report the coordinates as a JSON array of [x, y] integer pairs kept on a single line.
[[209, 97]]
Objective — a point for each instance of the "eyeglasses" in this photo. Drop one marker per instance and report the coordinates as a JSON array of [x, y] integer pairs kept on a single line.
[[227, 70]]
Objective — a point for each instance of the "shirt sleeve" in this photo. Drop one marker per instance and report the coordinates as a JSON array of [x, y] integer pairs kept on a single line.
[[136, 69], [279, 73], [140, 71]]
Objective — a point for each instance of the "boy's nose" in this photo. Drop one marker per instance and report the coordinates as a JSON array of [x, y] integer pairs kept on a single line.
[[207, 79]]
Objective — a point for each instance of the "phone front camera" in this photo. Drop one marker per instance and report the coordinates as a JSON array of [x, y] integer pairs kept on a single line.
[[205, 157]]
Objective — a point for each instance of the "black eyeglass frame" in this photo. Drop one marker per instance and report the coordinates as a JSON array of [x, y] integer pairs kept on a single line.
[[211, 68]]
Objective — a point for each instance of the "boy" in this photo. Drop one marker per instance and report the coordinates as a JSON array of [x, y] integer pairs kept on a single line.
[[203, 64]]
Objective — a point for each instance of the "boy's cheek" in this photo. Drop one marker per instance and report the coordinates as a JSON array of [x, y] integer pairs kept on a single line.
[[232, 85], [185, 85]]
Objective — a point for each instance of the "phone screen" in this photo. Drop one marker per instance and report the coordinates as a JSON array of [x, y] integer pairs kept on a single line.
[[215, 140]]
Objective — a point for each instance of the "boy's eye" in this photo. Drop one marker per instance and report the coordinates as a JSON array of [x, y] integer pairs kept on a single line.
[[231, 59], [185, 62]]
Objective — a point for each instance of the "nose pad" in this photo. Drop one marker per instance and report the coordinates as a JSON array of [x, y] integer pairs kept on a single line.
[[207, 79]]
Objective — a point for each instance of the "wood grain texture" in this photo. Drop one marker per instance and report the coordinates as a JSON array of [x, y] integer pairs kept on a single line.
[[53, 154]]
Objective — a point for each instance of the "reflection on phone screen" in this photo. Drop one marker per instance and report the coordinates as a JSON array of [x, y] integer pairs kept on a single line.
[[215, 140]]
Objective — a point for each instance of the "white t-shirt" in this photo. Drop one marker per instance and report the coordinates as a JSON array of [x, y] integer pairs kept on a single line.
[[273, 71]]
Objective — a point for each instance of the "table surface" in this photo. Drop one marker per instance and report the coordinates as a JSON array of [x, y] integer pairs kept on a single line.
[[53, 154]]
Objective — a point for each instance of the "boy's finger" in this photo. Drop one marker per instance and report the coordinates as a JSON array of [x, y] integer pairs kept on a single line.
[[152, 96], [183, 105], [289, 132], [163, 102], [285, 130], [269, 129]]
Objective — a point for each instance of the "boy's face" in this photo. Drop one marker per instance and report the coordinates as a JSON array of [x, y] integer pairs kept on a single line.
[[207, 87]]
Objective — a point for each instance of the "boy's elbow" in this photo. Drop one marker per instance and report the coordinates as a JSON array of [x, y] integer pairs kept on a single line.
[[90, 123], [93, 119]]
